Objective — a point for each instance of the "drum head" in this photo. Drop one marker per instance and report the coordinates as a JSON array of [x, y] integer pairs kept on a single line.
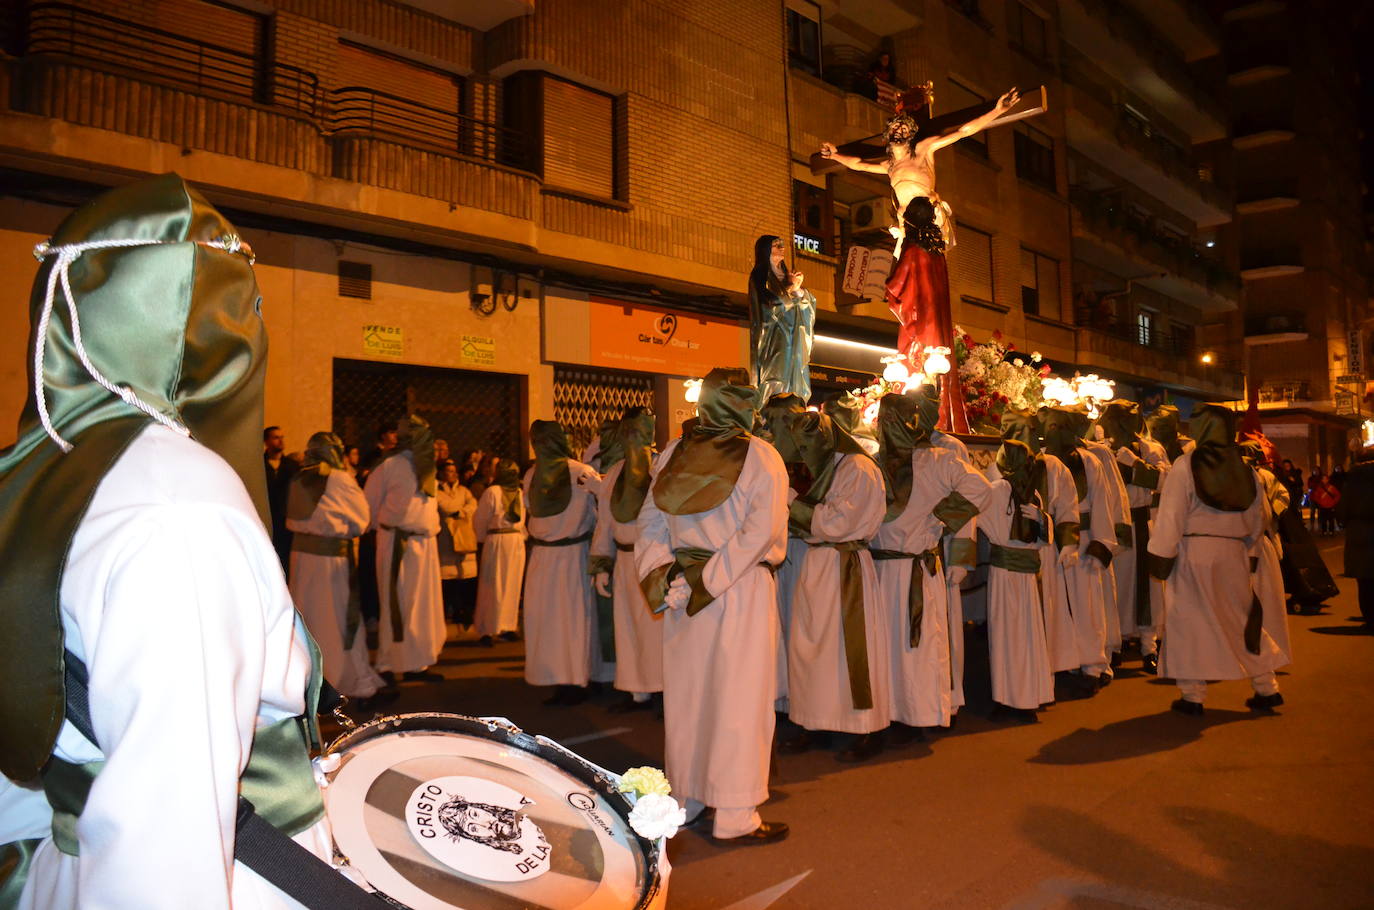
[[441, 812]]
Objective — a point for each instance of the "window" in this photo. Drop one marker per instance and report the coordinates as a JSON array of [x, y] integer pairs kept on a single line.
[[1144, 328], [814, 223], [1039, 284], [571, 133], [804, 40], [1026, 28], [961, 96], [1181, 338], [971, 264], [1035, 157]]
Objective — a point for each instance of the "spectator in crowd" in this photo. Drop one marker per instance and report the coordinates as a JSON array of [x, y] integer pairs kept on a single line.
[[352, 455], [1291, 478], [280, 468], [1356, 512], [499, 527], [386, 441], [457, 546], [1325, 496], [441, 453], [484, 476]]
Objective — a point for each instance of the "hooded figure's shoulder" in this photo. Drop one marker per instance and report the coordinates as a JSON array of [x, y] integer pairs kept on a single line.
[[164, 468]]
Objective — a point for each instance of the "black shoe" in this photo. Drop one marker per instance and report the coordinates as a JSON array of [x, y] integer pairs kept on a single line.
[[388, 678], [900, 734], [1116, 659], [575, 695], [1264, 704], [510, 636], [804, 741], [1184, 706], [1151, 663], [702, 820], [486, 641], [422, 676], [862, 748], [1006, 712], [628, 704], [766, 833]]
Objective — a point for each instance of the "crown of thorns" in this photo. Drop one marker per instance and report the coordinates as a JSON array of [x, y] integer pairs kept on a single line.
[[900, 120]]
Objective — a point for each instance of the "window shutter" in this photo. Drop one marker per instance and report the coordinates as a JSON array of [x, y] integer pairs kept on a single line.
[[971, 263], [355, 279], [1047, 273], [363, 68], [579, 138]]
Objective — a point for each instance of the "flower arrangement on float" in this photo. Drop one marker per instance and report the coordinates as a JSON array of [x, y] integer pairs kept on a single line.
[[993, 382]]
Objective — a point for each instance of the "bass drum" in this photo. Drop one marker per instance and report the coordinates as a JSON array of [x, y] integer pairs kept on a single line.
[[446, 812]]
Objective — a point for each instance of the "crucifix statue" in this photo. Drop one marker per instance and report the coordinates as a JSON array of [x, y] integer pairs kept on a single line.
[[917, 291]]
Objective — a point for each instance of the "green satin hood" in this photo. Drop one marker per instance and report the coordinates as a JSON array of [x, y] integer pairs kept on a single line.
[[323, 454], [1060, 427], [927, 399], [612, 448], [775, 410], [898, 437], [636, 435], [178, 323], [1163, 424], [847, 412], [1121, 423], [818, 440], [1220, 475], [414, 435], [1023, 426], [1016, 463], [512, 493], [703, 469], [550, 484]]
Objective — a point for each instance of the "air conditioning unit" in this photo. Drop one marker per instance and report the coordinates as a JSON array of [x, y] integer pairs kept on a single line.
[[869, 214]]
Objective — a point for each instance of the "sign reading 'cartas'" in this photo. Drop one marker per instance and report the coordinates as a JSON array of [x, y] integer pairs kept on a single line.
[[477, 351], [384, 340], [654, 341]]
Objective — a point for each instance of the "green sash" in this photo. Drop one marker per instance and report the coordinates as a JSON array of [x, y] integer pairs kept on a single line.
[[398, 552], [852, 619], [1025, 560], [916, 596], [316, 545]]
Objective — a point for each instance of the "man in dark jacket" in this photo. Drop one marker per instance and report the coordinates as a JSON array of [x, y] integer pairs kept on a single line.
[[1356, 512]]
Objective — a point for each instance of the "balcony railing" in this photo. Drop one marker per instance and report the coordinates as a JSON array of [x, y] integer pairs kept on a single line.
[[359, 111], [1151, 351], [1285, 323], [103, 42], [1281, 391], [1289, 256], [1107, 217]]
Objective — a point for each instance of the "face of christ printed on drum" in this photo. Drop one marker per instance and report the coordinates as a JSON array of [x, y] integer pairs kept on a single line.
[[478, 827]]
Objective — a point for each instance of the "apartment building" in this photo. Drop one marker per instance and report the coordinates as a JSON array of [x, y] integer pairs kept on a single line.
[[1301, 233]]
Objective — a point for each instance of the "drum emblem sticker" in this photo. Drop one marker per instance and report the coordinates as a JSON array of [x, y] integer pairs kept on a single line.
[[479, 828]]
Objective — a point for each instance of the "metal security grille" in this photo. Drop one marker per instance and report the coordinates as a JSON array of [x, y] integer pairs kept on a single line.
[[471, 410], [583, 397]]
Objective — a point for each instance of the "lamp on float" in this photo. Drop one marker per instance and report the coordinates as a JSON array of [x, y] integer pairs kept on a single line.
[[896, 370], [936, 360], [1367, 433]]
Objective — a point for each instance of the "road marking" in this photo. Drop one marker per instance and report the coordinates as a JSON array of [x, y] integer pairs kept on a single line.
[[600, 734], [1053, 892], [768, 896]]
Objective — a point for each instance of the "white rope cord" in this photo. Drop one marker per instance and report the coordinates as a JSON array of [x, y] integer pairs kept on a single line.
[[66, 255]]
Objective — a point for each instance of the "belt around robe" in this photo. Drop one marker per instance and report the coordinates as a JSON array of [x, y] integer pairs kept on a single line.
[[399, 536], [624, 547], [503, 531], [560, 542], [1140, 517], [916, 596], [1025, 560], [852, 618], [318, 545]]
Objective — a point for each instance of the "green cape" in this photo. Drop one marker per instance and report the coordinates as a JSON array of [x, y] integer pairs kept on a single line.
[[512, 492], [323, 453], [703, 469], [636, 436], [898, 436], [180, 324], [551, 483], [1016, 464]]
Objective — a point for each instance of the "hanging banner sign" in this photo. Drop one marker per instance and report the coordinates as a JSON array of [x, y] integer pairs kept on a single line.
[[1355, 350]]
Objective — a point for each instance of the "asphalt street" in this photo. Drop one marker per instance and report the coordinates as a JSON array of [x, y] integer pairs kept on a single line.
[[1111, 802]]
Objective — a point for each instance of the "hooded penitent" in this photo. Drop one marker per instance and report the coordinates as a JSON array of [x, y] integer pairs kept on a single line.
[[1023, 426], [635, 435], [169, 314], [1220, 475], [413, 435], [1121, 424], [701, 472], [773, 413], [323, 454], [551, 483], [898, 436], [1062, 440], [817, 441], [1163, 425], [1015, 462], [508, 479], [847, 412], [609, 451]]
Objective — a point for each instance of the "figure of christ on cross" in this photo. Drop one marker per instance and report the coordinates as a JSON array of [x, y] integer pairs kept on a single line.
[[918, 288]]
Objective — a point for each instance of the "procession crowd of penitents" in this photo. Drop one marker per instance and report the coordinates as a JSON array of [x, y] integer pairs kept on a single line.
[[780, 560]]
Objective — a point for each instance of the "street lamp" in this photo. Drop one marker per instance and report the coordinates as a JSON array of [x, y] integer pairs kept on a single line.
[[1208, 358]]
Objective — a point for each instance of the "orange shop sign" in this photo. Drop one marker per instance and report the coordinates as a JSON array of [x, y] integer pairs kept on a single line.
[[655, 341]]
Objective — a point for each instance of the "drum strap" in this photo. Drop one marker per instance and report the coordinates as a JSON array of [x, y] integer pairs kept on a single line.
[[259, 845]]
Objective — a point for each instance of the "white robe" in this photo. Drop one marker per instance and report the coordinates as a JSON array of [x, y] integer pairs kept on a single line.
[[503, 564], [1119, 506], [1125, 565], [638, 630], [1084, 577], [955, 597], [561, 645], [319, 586], [1017, 654], [922, 684], [174, 598], [396, 503], [1268, 573], [786, 579], [1205, 608], [1055, 600], [819, 694], [719, 673]]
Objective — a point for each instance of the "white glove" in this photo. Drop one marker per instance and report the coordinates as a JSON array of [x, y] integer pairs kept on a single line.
[[679, 592], [603, 584], [1126, 456], [1068, 556], [1030, 511], [955, 575]]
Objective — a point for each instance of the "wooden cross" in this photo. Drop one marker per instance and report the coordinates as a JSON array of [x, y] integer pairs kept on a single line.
[[1032, 103]]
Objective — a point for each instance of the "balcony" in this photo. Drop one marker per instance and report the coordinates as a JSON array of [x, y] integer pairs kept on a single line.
[[1186, 22], [1264, 129], [482, 15], [1134, 53], [1275, 262], [1280, 392], [1276, 328], [1157, 359], [1258, 63], [1256, 196], [1101, 128], [1110, 237]]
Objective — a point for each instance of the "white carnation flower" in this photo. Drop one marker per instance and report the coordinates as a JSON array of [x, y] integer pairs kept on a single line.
[[656, 815]]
